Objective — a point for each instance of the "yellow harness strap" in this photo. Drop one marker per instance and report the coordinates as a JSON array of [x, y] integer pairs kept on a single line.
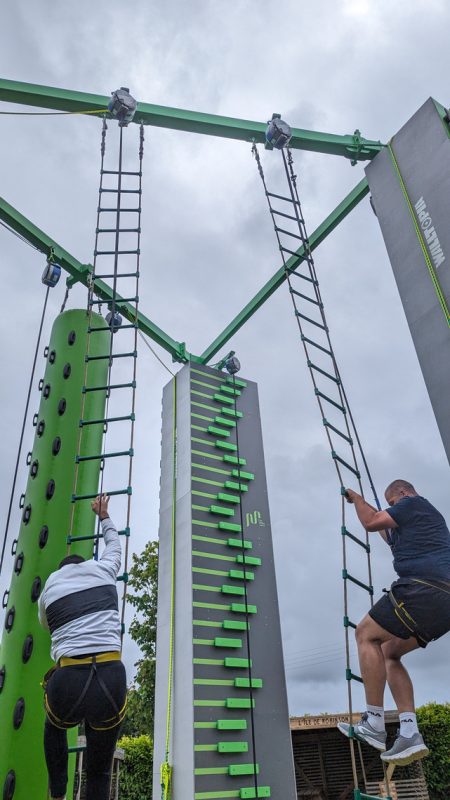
[[98, 659]]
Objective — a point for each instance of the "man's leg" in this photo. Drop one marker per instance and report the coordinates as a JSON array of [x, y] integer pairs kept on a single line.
[[397, 676], [56, 755], [409, 745], [371, 729], [100, 747], [106, 697], [369, 639]]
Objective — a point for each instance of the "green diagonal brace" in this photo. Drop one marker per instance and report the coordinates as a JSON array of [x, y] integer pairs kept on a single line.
[[328, 225], [354, 147], [81, 272]]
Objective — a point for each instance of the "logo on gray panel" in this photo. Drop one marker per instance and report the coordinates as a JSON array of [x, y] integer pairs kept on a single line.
[[254, 518], [429, 232]]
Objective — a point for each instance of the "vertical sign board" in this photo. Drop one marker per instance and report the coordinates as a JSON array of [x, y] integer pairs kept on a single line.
[[410, 186], [229, 731]]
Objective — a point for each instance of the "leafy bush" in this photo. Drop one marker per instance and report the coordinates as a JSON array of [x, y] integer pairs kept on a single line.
[[434, 724], [136, 769]]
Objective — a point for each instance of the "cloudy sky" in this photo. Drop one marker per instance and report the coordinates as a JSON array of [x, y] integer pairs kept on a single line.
[[208, 246]]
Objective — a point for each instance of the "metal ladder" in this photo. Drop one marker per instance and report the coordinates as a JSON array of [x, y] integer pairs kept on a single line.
[[117, 221], [337, 419]]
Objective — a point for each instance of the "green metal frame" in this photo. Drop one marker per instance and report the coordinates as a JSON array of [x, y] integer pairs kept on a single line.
[[327, 226], [352, 147], [82, 272]]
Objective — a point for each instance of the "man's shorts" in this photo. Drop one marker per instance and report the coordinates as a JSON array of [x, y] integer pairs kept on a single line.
[[418, 607]]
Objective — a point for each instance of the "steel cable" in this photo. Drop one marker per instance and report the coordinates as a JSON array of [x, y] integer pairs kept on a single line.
[[19, 450]]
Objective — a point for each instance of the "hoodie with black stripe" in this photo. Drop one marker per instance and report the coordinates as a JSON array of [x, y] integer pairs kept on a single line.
[[79, 603]]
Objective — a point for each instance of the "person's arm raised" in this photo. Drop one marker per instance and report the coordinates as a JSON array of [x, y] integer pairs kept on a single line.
[[112, 555], [369, 517]]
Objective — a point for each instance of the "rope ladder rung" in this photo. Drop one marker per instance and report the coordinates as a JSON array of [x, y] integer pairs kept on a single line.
[[355, 539], [346, 575]]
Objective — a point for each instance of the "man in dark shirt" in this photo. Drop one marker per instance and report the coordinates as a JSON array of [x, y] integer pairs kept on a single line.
[[414, 612]]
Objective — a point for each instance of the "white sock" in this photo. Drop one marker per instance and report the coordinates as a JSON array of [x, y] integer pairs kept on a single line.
[[408, 724], [376, 717]]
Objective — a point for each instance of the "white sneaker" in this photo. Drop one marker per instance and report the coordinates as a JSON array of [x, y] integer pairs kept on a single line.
[[406, 749], [364, 732]]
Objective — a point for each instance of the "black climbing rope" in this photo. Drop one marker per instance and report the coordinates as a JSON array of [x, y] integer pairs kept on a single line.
[[24, 421]]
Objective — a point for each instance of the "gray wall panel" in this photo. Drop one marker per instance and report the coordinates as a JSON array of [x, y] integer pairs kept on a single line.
[[207, 564], [422, 151], [183, 714]]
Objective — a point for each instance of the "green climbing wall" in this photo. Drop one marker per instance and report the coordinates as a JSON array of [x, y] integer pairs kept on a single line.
[[42, 541]]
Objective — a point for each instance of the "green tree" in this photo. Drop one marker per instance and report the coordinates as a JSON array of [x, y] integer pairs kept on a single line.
[[434, 723], [143, 586], [135, 780]]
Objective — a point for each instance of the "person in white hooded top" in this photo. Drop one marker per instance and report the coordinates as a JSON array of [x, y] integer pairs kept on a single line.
[[79, 606]]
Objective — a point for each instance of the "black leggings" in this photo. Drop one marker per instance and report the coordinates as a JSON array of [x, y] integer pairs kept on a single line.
[[63, 690]]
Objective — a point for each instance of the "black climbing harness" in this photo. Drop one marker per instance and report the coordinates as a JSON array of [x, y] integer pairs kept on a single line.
[[70, 718], [401, 612]]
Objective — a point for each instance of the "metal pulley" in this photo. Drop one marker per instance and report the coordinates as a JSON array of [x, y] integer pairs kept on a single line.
[[52, 272], [230, 362], [114, 320], [278, 133], [122, 106]]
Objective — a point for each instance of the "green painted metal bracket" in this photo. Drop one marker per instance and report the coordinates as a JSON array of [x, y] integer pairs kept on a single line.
[[328, 225], [353, 147], [82, 272]]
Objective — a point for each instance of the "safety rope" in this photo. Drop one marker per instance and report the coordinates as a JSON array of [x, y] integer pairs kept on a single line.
[[247, 620], [19, 236], [166, 767], [65, 299], [324, 349], [24, 421], [51, 113], [147, 343]]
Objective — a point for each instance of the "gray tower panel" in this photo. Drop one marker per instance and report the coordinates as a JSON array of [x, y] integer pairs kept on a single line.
[[225, 610], [417, 238], [181, 744]]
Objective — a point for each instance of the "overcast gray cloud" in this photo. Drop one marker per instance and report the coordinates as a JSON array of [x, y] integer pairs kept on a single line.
[[208, 246]]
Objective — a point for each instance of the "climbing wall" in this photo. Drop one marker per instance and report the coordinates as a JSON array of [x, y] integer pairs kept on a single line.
[[42, 542], [227, 734], [410, 185]]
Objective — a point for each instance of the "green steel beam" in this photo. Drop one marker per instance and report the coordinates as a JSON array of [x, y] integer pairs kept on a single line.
[[353, 146], [81, 272], [328, 225]]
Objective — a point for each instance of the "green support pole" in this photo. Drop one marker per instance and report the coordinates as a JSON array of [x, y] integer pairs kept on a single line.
[[41, 544], [325, 228], [82, 273]]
